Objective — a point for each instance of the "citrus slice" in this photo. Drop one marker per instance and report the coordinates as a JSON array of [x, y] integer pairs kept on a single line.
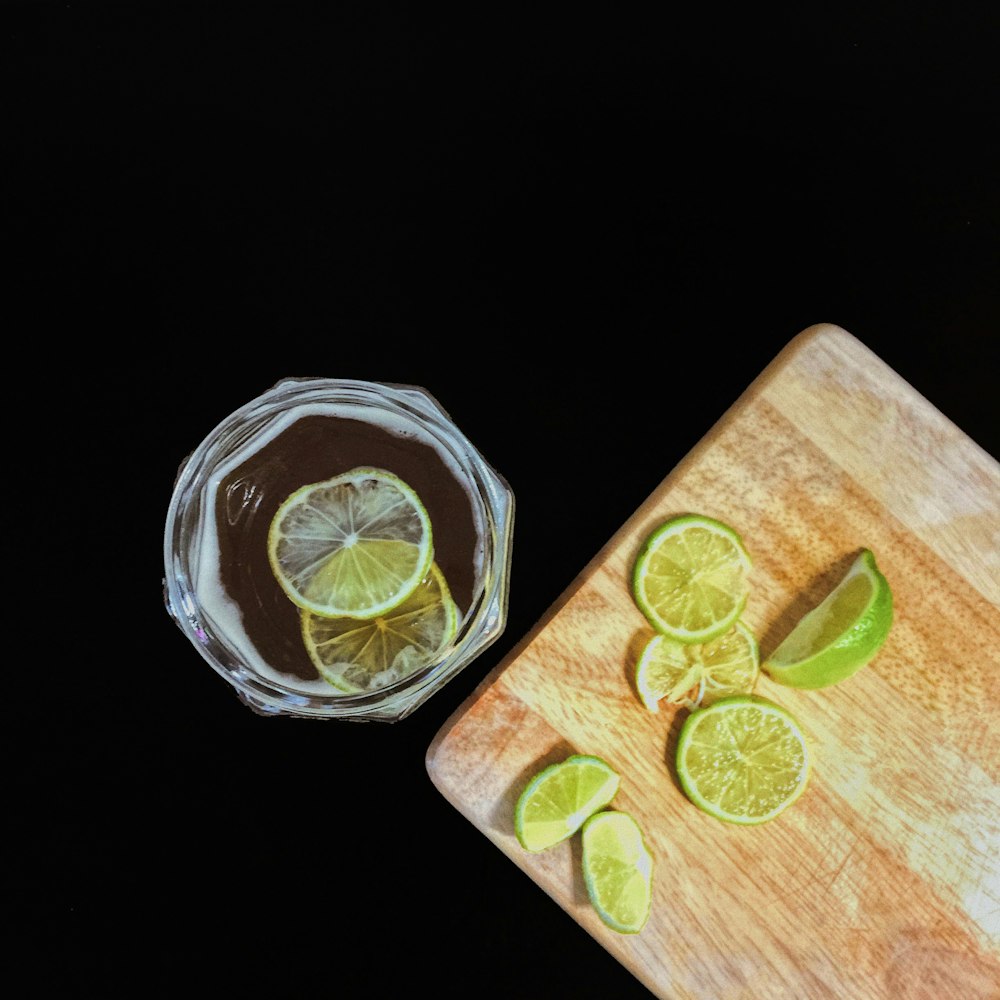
[[841, 634], [363, 654], [690, 578], [559, 799], [684, 674], [355, 545], [743, 759], [617, 870]]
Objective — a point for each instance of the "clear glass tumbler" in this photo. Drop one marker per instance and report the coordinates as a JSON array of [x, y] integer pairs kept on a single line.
[[217, 584]]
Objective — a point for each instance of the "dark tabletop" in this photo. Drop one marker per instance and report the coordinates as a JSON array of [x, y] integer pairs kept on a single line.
[[585, 235]]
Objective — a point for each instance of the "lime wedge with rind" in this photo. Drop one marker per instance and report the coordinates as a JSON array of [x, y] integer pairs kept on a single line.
[[688, 674], [355, 655], [617, 870], [560, 798], [690, 578], [355, 545], [842, 634], [743, 759]]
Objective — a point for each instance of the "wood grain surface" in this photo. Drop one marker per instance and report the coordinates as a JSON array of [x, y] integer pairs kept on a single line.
[[883, 880]]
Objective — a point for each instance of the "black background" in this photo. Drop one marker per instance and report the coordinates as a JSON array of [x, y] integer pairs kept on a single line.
[[585, 233]]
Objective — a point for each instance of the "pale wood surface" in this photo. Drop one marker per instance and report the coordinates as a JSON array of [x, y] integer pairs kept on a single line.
[[883, 881]]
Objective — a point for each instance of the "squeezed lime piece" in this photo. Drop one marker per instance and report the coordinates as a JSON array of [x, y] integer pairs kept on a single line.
[[688, 674]]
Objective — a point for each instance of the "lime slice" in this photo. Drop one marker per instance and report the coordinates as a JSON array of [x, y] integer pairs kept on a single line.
[[841, 634], [690, 579], [743, 759], [354, 654], [557, 800], [617, 870], [684, 674], [355, 545]]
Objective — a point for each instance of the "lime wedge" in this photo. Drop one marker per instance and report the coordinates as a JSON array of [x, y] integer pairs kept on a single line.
[[690, 578], [743, 759], [559, 799], [356, 545], [685, 674], [841, 634], [617, 870], [356, 655]]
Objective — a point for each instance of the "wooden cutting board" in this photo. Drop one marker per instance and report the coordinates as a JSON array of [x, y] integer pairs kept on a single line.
[[883, 880]]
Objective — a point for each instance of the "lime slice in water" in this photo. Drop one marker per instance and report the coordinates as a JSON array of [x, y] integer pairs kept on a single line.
[[356, 545], [362, 654]]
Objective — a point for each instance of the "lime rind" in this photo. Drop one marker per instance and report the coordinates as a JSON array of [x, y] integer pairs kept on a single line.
[[356, 655], [617, 870], [560, 798], [704, 602], [712, 752], [356, 545], [840, 635]]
